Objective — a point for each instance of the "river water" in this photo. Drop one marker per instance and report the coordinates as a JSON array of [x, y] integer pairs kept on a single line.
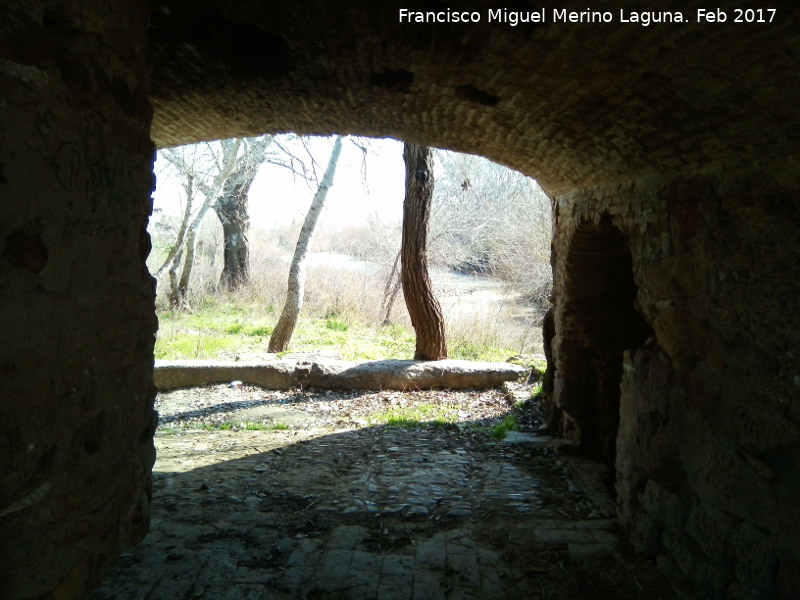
[[452, 289], [467, 301]]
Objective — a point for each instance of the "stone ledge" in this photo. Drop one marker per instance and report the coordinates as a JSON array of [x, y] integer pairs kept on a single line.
[[338, 374]]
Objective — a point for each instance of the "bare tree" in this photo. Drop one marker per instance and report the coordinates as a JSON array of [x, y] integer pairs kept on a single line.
[[282, 334], [232, 211], [426, 315], [490, 220], [223, 173], [190, 166]]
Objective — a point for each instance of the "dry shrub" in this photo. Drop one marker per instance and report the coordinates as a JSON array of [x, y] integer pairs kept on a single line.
[[485, 219], [350, 294], [494, 329], [355, 295]]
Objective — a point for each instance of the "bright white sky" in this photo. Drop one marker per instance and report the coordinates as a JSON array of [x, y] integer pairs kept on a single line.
[[278, 197]]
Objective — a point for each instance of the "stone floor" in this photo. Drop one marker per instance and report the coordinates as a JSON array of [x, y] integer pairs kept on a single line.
[[378, 513]]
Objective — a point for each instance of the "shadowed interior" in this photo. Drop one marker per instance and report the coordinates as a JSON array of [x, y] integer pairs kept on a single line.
[[599, 322]]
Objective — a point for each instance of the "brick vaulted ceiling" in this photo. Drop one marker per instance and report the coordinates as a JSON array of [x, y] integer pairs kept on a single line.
[[575, 105]]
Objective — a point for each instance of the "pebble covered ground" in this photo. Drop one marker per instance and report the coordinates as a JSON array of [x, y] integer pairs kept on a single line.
[[215, 405], [322, 500]]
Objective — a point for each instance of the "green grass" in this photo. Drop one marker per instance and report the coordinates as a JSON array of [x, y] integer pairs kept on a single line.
[[235, 329], [259, 331], [467, 350], [244, 426], [423, 415], [279, 427], [169, 431], [336, 325], [218, 328], [215, 329], [508, 423], [194, 344]]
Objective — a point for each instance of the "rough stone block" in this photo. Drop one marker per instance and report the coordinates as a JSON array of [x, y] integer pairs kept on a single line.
[[709, 528], [346, 537], [397, 570], [561, 536], [335, 563], [752, 554]]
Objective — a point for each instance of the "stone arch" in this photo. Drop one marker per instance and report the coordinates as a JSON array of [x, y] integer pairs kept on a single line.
[[598, 322]]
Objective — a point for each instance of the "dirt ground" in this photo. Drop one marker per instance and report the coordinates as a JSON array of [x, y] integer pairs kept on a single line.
[[335, 506]]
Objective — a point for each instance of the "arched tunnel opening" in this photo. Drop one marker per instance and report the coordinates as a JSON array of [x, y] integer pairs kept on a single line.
[[412, 507], [599, 321], [409, 493]]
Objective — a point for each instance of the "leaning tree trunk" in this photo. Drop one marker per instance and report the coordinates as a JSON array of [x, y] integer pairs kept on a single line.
[[179, 286], [231, 208], [426, 315], [175, 295], [390, 291], [186, 272], [282, 334]]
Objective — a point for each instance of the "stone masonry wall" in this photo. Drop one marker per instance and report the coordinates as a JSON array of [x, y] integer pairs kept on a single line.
[[76, 301], [709, 433]]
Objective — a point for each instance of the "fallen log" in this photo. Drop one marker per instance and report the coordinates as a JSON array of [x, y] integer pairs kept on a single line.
[[338, 374]]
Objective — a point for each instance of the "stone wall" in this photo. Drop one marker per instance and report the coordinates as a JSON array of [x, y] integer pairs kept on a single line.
[[76, 301], [709, 432]]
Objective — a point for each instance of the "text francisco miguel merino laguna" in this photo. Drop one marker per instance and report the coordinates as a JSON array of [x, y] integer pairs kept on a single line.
[[557, 15]]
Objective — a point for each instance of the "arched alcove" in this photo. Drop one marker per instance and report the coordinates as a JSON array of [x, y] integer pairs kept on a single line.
[[599, 321]]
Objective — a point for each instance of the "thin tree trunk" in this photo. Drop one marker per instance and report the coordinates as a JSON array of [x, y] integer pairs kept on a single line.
[[426, 315], [387, 288], [175, 296], [174, 255], [188, 264], [387, 319], [180, 285], [282, 334], [391, 290]]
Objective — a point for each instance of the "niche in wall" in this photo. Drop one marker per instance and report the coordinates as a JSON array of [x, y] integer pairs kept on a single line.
[[598, 322]]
